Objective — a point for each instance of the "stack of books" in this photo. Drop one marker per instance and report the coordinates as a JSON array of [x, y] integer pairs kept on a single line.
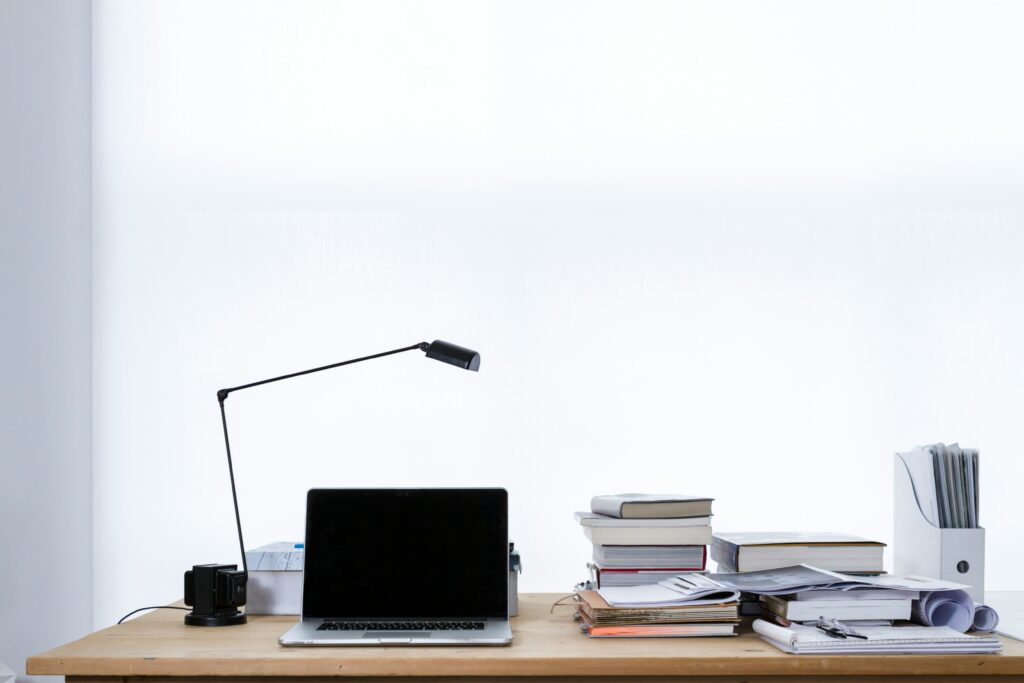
[[749, 552], [760, 551], [599, 619], [645, 538], [862, 607]]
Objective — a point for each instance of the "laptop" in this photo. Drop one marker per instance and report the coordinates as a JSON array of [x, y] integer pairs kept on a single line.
[[405, 567]]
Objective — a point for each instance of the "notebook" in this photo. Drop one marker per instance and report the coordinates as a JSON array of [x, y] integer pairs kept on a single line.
[[798, 639], [404, 567]]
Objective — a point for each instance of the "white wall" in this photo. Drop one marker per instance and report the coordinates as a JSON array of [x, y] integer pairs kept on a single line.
[[45, 342], [732, 248]]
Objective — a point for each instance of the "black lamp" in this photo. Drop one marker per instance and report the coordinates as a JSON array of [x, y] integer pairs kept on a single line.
[[216, 591]]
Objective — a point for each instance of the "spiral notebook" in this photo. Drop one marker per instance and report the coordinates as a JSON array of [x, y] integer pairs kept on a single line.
[[937, 640]]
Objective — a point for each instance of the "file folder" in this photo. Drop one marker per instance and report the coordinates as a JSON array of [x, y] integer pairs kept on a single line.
[[923, 549]]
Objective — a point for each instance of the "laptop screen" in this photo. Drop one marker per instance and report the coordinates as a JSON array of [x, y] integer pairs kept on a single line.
[[406, 553]]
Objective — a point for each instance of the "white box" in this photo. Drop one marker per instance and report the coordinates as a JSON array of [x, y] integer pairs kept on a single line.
[[6, 675], [923, 549], [274, 592], [275, 578]]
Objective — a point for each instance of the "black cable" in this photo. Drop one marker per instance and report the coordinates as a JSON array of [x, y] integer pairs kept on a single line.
[[143, 609]]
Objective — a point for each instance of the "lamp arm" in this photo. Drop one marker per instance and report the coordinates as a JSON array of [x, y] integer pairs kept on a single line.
[[234, 495], [223, 394]]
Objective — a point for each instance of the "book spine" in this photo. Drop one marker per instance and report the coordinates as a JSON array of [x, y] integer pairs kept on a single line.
[[694, 535], [776, 606], [600, 505], [724, 553]]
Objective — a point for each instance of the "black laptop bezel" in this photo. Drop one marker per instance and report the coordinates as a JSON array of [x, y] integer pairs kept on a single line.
[[313, 555]]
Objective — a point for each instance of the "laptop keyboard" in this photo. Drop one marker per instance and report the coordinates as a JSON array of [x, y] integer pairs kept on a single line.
[[401, 626]]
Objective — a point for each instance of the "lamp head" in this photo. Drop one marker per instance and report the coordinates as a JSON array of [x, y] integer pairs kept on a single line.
[[467, 359]]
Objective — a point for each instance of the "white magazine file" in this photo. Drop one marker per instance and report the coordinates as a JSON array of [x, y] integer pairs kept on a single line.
[[923, 549]]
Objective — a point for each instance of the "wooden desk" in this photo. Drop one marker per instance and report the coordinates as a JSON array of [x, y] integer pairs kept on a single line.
[[159, 648]]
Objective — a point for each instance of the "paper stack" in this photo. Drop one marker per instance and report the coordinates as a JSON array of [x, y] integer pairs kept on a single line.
[[938, 604], [687, 606], [601, 620]]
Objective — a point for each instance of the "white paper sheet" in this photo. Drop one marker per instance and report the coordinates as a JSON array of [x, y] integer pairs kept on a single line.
[[803, 577], [1010, 605], [685, 589], [922, 477]]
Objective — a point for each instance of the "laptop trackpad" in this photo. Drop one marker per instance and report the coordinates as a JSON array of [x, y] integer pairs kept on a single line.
[[396, 635]]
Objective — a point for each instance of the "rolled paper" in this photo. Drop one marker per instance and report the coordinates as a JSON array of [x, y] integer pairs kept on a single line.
[[985, 619], [954, 609]]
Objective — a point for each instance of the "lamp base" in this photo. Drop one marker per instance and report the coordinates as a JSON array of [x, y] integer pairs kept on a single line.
[[193, 619]]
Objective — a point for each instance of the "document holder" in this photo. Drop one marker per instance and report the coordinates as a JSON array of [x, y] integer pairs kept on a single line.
[[923, 549]]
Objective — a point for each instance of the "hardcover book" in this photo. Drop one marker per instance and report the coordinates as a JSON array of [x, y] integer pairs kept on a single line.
[[755, 551], [683, 535], [651, 505]]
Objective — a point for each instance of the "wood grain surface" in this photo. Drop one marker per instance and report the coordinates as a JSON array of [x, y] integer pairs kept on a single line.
[[545, 644]]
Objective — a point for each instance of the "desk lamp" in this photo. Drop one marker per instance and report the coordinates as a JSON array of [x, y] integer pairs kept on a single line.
[[216, 591]]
